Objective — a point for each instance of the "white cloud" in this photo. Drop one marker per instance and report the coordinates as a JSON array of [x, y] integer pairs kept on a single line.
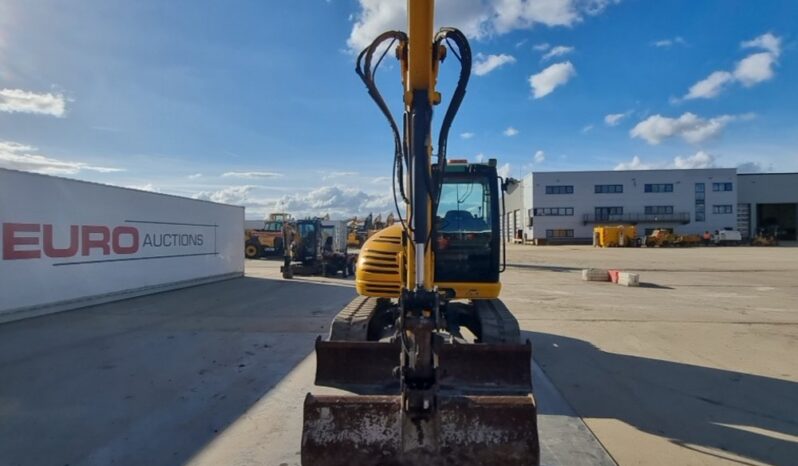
[[751, 70], [338, 201], [21, 157], [587, 128], [238, 195], [665, 43], [766, 41], [523, 14], [19, 101], [634, 164], [510, 131], [689, 127], [539, 157], [381, 180], [337, 174], [710, 86], [549, 79], [504, 171], [467, 135], [254, 174], [476, 18], [700, 159], [520, 43], [195, 176], [613, 119], [755, 69], [378, 16], [541, 47], [557, 51], [485, 64], [480, 157]]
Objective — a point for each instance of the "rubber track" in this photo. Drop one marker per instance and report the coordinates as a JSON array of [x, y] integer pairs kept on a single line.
[[498, 323], [352, 323]]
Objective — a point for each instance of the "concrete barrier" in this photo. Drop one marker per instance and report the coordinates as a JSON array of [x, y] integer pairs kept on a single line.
[[595, 275]]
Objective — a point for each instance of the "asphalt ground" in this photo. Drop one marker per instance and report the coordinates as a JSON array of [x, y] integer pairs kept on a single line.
[[697, 366]]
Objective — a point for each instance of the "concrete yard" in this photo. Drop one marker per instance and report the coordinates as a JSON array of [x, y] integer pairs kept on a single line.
[[697, 366]]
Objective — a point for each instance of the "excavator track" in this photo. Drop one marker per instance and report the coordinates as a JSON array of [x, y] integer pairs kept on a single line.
[[498, 325], [352, 323]]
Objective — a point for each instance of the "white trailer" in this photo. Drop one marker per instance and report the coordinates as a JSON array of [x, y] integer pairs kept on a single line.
[[68, 243]]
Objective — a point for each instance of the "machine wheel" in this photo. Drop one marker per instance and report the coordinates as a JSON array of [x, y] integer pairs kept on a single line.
[[252, 251]]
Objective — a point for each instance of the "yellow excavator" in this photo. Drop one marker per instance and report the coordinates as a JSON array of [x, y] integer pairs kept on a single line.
[[430, 359]]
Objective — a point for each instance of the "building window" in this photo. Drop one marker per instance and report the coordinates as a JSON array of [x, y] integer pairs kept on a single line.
[[659, 188], [722, 187], [700, 207], [609, 188], [554, 211], [659, 209], [604, 213], [559, 233], [562, 189], [722, 209]]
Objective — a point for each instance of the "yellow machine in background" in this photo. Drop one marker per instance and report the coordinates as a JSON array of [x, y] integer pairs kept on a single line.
[[360, 231], [267, 240], [426, 392], [615, 236], [663, 238]]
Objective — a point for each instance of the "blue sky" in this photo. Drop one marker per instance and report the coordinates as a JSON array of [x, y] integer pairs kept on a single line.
[[257, 102]]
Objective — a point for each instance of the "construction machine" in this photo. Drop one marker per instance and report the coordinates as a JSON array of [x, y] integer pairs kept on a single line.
[[430, 360], [662, 238], [267, 240], [316, 247], [616, 236]]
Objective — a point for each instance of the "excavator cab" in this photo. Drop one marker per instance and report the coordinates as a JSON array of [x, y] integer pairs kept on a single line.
[[308, 240], [466, 230]]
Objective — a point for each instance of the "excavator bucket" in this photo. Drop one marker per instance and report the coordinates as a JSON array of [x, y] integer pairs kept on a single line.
[[463, 430], [484, 413]]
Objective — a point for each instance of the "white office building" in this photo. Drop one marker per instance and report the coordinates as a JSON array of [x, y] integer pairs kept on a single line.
[[563, 207]]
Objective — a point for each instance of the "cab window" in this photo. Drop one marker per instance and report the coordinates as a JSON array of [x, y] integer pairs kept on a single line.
[[464, 239]]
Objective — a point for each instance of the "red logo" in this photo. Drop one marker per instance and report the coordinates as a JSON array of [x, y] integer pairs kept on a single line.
[[30, 240]]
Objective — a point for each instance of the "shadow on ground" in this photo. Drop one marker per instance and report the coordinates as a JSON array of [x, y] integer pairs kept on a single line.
[[749, 415], [548, 268], [152, 380]]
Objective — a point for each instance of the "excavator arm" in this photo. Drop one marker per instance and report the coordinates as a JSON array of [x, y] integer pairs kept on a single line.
[[418, 391]]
